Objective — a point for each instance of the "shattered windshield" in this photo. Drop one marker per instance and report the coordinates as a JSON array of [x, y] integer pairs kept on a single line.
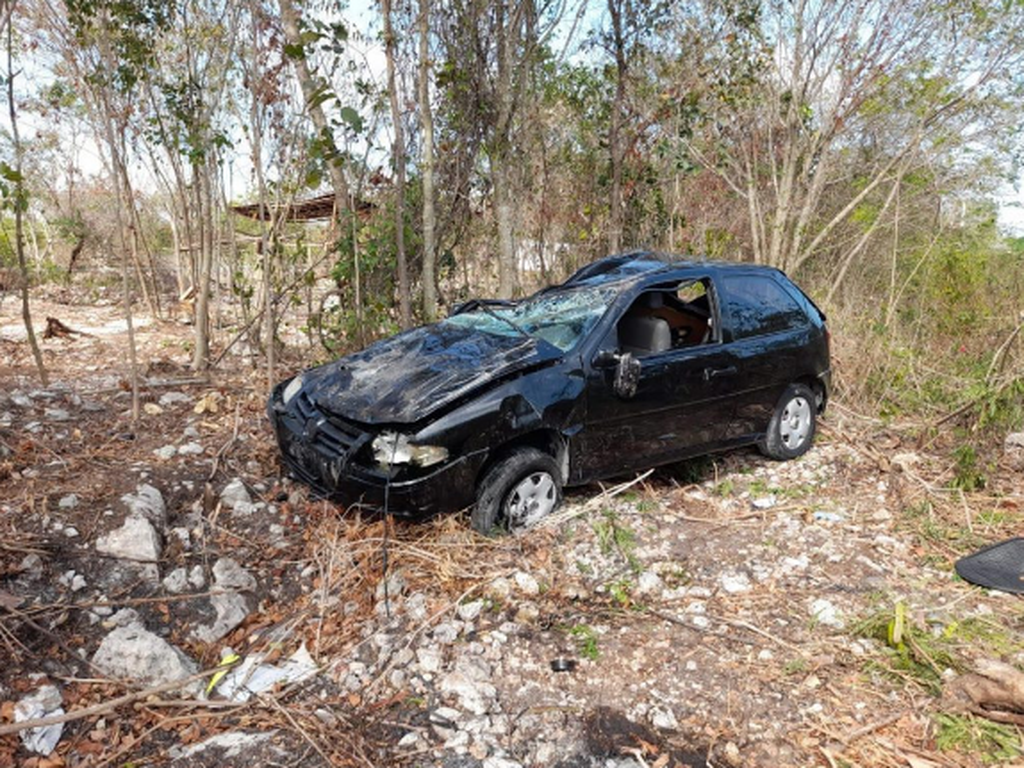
[[561, 319]]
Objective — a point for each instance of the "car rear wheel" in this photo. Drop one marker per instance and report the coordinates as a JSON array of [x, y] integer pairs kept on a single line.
[[791, 430], [517, 492]]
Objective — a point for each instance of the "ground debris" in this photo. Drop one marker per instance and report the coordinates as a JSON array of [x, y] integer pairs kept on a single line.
[[45, 701], [994, 690], [698, 614], [135, 654], [55, 329]]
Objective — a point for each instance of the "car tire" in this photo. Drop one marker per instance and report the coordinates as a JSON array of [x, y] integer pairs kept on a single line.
[[517, 492], [793, 424]]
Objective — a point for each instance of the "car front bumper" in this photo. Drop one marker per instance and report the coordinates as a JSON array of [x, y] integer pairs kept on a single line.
[[338, 475]]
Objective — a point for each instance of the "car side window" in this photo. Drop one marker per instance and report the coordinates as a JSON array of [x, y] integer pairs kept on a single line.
[[758, 305], [668, 318]]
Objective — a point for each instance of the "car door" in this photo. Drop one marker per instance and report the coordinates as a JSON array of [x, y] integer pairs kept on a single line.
[[682, 405], [770, 337]]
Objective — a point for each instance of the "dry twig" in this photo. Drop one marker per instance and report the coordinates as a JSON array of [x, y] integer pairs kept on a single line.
[[107, 706]]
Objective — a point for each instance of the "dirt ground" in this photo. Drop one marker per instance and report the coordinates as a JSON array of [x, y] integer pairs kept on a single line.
[[726, 612]]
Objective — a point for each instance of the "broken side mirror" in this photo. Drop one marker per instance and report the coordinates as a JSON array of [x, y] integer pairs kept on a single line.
[[604, 360], [627, 376], [627, 371]]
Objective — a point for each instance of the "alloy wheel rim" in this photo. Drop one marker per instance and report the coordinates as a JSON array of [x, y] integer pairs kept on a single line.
[[795, 424], [530, 500]]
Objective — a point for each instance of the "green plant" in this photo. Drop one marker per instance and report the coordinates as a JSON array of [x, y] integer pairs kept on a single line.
[[620, 591], [968, 476], [993, 742], [759, 487], [677, 577], [911, 650], [725, 488], [614, 536], [1002, 406], [586, 641], [993, 517], [983, 633], [795, 666], [604, 531], [923, 520]]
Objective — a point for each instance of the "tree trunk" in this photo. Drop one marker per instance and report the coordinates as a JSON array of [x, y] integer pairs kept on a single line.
[[290, 22], [126, 285], [201, 353], [503, 215], [269, 309], [19, 206], [398, 156], [615, 129], [507, 44], [427, 168], [114, 136]]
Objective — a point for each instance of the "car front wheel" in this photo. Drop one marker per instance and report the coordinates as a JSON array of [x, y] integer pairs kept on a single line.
[[791, 430], [517, 492]]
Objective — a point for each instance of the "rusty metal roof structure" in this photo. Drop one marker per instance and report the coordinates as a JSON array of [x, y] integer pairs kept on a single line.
[[313, 209]]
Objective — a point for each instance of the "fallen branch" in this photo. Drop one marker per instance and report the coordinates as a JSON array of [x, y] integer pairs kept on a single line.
[[720, 521], [995, 691], [739, 624], [1000, 356], [55, 329], [975, 402], [12, 610], [731, 622], [109, 706], [566, 515], [864, 730], [224, 448], [151, 384]]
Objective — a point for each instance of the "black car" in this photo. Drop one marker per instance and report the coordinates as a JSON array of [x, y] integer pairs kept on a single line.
[[632, 362]]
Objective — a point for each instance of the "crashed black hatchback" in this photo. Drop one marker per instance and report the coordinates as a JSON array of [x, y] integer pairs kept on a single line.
[[632, 362]]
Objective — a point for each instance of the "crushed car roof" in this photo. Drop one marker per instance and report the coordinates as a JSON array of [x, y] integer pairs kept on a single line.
[[642, 263]]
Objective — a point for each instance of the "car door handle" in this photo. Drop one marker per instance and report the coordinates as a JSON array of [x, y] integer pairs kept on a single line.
[[713, 373]]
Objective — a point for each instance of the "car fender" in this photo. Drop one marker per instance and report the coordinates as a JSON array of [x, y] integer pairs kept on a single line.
[[547, 400]]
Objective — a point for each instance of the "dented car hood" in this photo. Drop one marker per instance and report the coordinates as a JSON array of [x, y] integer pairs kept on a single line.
[[405, 378]]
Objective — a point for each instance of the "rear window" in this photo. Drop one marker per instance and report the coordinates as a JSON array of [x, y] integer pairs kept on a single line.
[[757, 305]]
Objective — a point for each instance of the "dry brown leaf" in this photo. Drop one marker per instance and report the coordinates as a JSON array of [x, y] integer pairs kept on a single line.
[[207, 403], [646, 746], [90, 748], [7, 711], [190, 734], [661, 762]]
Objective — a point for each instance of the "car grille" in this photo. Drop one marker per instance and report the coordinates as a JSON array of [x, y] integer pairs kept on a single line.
[[305, 406], [332, 435]]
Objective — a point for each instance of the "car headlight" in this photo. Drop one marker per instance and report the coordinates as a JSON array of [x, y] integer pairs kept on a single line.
[[292, 389], [393, 449]]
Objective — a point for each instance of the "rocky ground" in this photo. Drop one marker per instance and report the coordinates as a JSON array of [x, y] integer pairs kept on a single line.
[[728, 612]]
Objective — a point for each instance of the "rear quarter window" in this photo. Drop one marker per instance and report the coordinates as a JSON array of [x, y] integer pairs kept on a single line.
[[757, 305]]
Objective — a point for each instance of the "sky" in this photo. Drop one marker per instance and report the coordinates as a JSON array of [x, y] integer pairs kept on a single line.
[[364, 16]]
